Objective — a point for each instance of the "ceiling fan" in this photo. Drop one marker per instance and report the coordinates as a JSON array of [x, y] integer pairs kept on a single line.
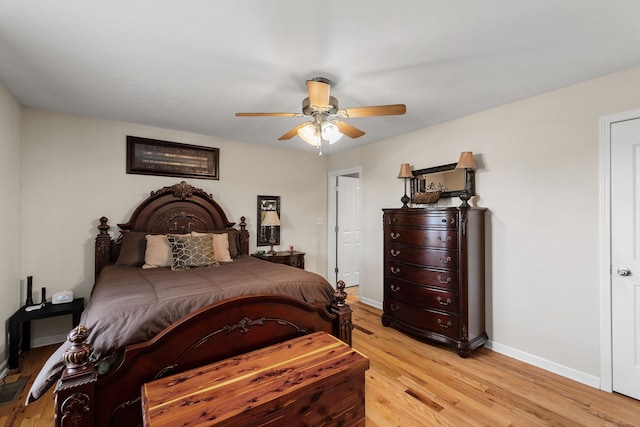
[[325, 124]]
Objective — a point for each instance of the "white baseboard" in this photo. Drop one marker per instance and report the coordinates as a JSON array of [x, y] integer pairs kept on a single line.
[[545, 364], [52, 339], [372, 303], [539, 362]]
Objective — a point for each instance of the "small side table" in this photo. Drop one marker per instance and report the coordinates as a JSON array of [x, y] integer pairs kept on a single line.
[[292, 258], [20, 324]]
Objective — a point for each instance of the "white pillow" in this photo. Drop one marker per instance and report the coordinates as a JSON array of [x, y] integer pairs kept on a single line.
[[220, 246], [158, 252]]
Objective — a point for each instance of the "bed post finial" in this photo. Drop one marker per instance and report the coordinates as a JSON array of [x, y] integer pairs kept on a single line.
[[103, 227], [76, 357], [341, 294]]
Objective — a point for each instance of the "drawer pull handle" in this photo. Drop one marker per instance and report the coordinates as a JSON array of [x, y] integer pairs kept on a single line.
[[442, 260], [444, 282], [395, 270], [447, 302], [394, 252], [446, 240], [394, 307], [395, 288], [394, 236], [392, 220], [443, 325], [450, 220]]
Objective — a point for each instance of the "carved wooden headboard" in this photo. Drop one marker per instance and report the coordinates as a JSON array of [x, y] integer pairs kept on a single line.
[[179, 208]]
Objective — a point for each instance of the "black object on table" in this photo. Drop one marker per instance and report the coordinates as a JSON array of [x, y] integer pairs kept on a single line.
[[20, 324]]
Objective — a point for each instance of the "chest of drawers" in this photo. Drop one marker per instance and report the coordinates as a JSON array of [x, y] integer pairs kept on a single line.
[[434, 268]]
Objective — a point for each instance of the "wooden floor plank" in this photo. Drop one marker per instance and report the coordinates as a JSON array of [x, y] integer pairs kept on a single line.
[[412, 383]]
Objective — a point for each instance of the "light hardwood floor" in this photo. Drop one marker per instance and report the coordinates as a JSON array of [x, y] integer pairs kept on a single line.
[[411, 383]]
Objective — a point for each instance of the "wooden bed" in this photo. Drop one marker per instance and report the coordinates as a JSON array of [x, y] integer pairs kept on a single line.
[[215, 332]]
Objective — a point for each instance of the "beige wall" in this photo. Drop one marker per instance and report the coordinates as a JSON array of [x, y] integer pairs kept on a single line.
[[73, 172], [10, 285], [538, 174]]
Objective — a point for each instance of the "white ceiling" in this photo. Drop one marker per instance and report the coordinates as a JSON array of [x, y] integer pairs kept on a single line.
[[191, 64]]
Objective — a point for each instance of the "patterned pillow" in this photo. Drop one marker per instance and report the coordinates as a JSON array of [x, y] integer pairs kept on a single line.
[[191, 251]]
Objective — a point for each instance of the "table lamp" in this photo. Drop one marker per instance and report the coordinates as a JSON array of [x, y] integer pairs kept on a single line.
[[270, 219]]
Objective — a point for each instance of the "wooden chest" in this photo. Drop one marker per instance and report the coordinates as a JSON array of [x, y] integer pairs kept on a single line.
[[311, 380]]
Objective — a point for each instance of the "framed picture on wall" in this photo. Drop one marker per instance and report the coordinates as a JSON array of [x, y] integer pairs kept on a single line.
[[155, 157]]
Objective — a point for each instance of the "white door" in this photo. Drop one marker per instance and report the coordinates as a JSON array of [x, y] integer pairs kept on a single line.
[[625, 256], [348, 230]]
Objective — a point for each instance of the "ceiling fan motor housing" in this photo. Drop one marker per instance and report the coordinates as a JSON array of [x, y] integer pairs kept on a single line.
[[309, 110]]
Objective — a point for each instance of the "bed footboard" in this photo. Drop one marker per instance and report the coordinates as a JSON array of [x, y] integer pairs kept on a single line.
[[214, 333]]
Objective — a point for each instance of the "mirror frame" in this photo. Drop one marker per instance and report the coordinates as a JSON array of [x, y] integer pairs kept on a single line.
[[469, 185], [266, 203]]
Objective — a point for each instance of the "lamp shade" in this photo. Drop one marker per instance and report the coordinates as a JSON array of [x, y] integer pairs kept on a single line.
[[309, 134], [405, 171], [466, 161], [270, 219], [330, 132]]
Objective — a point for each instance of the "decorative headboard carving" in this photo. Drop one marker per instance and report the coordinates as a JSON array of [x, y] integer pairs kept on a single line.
[[180, 208]]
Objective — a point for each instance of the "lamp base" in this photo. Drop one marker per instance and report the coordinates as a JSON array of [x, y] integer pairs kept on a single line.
[[272, 241], [405, 200], [464, 196]]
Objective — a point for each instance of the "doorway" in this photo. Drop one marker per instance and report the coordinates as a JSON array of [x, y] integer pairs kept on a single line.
[[344, 227], [620, 259]]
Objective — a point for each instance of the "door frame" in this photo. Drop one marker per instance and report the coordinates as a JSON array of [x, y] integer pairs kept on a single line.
[[606, 340], [331, 215]]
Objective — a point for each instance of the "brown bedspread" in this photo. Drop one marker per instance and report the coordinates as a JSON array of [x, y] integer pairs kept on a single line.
[[130, 305]]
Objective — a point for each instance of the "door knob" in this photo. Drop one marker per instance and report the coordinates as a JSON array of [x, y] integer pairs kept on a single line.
[[623, 271]]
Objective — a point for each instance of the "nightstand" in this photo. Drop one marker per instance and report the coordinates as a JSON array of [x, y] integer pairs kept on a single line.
[[294, 259], [21, 320]]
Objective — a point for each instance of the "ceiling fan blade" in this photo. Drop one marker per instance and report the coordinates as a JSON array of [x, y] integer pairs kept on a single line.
[[268, 115], [318, 93], [378, 110], [293, 132], [349, 130]]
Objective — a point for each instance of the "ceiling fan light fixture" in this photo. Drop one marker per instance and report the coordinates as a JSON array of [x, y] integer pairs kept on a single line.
[[309, 134], [330, 132]]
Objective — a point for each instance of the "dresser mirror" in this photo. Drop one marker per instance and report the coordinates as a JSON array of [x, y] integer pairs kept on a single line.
[[446, 178]]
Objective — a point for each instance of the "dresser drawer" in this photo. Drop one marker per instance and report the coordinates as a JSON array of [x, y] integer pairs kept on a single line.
[[444, 239], [442, 323], [421, 296], [421, 275], [428, 257], [422, 218]]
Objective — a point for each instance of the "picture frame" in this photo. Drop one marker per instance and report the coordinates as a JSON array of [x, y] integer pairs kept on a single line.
[[267, 203], [147, 156]]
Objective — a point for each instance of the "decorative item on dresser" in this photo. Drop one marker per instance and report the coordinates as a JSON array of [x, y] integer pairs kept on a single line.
[[405, 173], [434, 266], [466, 163]]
